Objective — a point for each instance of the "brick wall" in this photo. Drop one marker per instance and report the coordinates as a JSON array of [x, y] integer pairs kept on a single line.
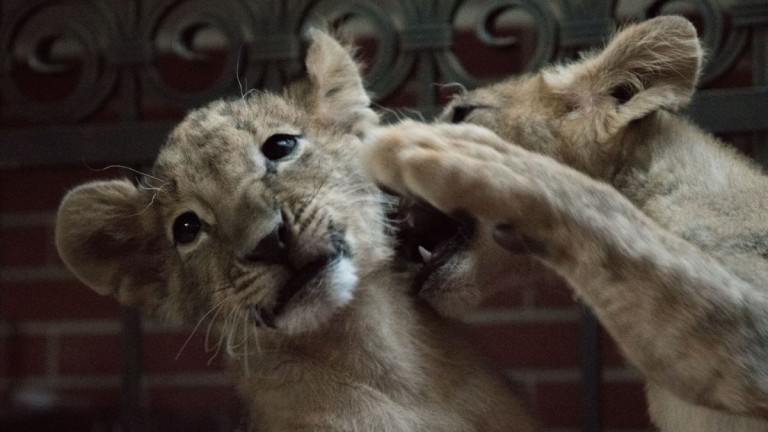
[[60, 348]]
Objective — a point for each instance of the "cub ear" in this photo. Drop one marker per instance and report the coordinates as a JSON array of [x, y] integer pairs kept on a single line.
[[646, 67], [111, 238], [336, 87]]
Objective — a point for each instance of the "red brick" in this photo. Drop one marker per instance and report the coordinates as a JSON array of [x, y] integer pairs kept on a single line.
[[90, 355], [41, 189], [196, 401], [90, 398], [529, 345], [624, 405], [5, 402], [561, 405], [553, 292], [24, 246], [4, 357], [163, 353], [610, 353], [51, 301], [69, 410], [22, 355], [102, 354]]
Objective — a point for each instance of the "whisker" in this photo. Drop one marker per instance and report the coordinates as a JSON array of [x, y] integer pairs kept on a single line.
[[450, 85], [416, 113], [143, 183], [245, 345], [200, 321], [152, 201], [397, 114], [206, 342], [237, 71], [230, 332], [126, 168], [237, 344]]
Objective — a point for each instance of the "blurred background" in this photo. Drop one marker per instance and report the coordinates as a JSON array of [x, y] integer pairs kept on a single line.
[[88, 84]]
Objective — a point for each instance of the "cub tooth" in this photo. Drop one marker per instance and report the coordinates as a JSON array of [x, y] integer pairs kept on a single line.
[[409, 220], [425, 254]]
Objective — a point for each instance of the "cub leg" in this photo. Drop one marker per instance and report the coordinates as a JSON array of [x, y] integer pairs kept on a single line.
[[678, 313]]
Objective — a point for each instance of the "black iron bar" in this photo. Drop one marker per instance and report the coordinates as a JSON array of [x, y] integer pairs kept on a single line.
[[591, 371]]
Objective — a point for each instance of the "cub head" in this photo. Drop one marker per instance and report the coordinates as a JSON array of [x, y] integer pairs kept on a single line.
[[256, 210], [577, 113]]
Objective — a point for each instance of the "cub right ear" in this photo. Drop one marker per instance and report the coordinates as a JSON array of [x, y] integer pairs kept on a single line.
[[647, 67], [111, 238], [336, 84]]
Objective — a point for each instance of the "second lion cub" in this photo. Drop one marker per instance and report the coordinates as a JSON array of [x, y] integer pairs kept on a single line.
[[661, 229]]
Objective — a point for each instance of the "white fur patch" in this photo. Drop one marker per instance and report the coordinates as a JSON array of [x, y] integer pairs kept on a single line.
[[343, 282], [338, 289], [559, 78]]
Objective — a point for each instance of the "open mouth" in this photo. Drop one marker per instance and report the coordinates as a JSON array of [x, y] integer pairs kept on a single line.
[[265, 317], [429, 237]]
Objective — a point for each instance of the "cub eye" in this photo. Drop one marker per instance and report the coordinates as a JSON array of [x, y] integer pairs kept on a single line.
[[461, 112], [186, 228], [279, 146]]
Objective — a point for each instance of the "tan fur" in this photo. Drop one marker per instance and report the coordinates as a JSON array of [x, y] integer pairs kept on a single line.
[[656, 225], [351, 351]]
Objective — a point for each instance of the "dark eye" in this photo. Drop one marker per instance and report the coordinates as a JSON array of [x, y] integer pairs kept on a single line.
[[461, 112], [279, 146], [186, 228]]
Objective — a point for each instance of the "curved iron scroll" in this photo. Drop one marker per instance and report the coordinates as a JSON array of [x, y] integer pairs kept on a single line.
[[90, 49]]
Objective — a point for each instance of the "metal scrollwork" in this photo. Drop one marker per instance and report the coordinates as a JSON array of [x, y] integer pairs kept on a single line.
[[545, 23], [66, 41], [176, 30], [386, 71], [66, 60]]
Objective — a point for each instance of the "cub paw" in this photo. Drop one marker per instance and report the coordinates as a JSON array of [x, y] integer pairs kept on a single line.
[[453, 167]]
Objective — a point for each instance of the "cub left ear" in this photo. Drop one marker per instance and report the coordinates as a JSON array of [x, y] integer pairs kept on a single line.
[[336, 84], [109, 235], [646, 67]]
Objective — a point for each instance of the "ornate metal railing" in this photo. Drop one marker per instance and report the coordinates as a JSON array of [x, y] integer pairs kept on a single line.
[[104, 80]]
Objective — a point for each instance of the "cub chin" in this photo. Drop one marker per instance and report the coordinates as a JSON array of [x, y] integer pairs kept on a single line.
[[258, 223]]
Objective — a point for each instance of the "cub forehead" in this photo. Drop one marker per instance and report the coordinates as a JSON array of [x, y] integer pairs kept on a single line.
[[218, 147], [190, 157], [256, 115], [519, 97], [226, 135]]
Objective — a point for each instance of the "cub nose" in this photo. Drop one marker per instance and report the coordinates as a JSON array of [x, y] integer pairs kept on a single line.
[[272, 249]]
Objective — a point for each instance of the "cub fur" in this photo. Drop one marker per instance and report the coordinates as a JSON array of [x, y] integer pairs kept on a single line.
[[656, 225], [258, 224]]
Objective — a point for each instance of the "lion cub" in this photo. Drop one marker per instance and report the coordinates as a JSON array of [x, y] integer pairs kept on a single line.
[[258, 221], [656, 225]]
